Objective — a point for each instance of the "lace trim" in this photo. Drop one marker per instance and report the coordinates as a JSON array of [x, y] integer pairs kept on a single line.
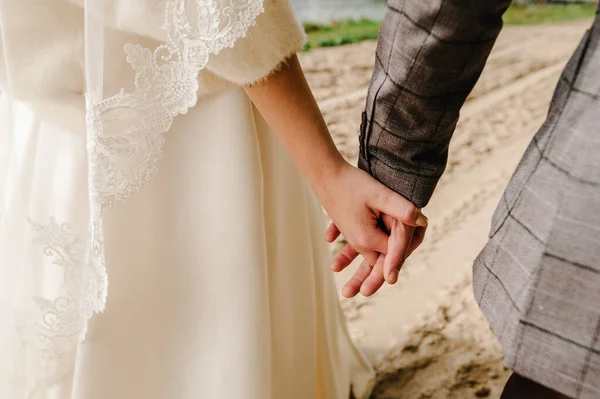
[[125, 137], [47, 348], [125, 132], [124, 158]]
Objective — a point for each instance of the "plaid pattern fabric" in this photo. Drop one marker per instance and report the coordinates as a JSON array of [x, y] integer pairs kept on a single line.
[[429, 56], [538, 279]]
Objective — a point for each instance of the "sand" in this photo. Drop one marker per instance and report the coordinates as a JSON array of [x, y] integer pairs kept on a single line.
[[425, 335]]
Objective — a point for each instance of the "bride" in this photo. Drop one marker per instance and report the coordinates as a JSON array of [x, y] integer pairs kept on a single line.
[[159, 238]]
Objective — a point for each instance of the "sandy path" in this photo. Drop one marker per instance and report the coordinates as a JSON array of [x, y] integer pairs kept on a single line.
[[425, 335]]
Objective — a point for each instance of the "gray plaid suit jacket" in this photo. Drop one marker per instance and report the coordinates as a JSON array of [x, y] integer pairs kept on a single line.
[[538, 279]]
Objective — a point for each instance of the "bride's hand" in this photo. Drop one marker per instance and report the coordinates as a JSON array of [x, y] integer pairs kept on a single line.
[[353, 198], [367, 278], [355, 201]]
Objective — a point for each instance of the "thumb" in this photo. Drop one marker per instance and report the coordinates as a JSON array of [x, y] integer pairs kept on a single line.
[[370, 244], [376, 241], [395, 205], [332, 233]]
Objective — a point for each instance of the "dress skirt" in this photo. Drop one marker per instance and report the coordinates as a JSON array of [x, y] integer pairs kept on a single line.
[[218, 285]]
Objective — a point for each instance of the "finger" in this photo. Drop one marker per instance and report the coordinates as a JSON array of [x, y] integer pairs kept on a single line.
[[398, 245], [407, 253], [386, 221], [371, 256], [375, 279], [400, 208], [343, 259], [353, 285], [417, 240], [371, 244], [332, 233]]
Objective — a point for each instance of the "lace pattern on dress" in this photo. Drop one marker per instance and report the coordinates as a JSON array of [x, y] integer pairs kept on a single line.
[[47, 347], [125, 131], [125, 137]]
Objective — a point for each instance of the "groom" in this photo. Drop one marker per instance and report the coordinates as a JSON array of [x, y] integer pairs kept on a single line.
[[538, 279]]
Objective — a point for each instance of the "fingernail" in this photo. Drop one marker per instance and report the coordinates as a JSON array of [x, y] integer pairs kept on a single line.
[[421, 220], [393, 276]]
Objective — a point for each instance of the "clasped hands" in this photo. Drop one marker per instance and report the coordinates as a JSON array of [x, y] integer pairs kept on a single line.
[[379, 224]]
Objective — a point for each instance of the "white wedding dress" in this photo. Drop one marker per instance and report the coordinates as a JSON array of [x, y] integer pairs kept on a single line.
[[157, 242]]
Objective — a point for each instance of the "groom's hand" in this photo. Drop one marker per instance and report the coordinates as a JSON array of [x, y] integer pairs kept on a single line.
[[368, 278], [355, 201]]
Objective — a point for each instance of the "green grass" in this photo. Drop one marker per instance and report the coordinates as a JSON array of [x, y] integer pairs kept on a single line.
[[547, 13], [342, 32], [346, 32]]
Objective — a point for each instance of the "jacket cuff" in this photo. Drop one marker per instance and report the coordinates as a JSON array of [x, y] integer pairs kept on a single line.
[[276, 36], [416, 189]]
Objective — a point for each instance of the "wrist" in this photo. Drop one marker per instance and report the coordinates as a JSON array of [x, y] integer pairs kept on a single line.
[[326, 175]]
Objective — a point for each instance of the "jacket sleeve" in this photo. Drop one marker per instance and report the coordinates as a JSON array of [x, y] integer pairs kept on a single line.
[[429, 56]]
